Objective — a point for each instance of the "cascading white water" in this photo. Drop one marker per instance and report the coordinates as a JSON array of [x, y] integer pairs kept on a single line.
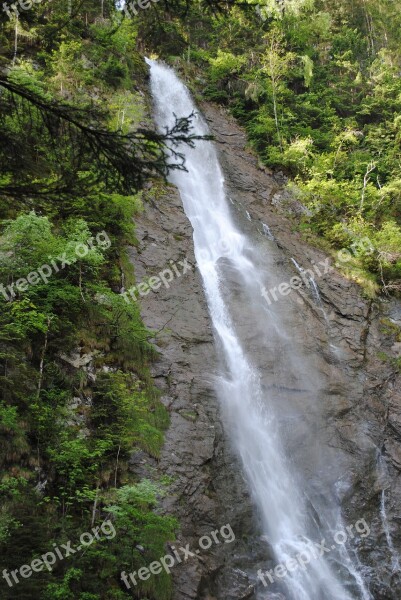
[[383, 478], [251, 418], [267, 232], [313, 285]]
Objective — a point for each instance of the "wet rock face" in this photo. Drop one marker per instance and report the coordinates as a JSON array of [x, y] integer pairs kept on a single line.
[[207, 489], [342, 333], [351, 408]]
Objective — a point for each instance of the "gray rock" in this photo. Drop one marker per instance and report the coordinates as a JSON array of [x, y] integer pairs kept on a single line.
[[359, 410]]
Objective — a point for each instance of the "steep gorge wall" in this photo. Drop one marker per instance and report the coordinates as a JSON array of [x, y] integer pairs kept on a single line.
[[360, 394]]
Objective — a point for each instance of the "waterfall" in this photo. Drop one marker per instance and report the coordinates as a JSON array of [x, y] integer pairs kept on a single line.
[[254, 417], [266, 230], [383, 480], [319, 303], [395, 559], [314, 287]]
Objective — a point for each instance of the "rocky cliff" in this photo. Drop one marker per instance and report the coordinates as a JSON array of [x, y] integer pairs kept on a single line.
[[349, 434]]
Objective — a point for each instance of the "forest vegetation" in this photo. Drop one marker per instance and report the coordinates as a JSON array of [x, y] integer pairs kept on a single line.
[[317, 86]]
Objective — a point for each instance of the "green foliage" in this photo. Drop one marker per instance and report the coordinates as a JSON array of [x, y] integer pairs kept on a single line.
[[71, 103], [308, 69], [84, 452], [63, 591], [145, 534], [225, 65], [317, 86], [126, 416]]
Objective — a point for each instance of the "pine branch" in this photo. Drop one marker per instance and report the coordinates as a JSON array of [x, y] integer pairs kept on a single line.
[[123, 161]]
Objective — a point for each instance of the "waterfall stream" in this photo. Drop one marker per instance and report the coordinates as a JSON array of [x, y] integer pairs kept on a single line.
[[383, 479], [294, 516]]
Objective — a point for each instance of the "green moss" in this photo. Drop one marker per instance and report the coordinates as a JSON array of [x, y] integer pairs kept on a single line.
[[189, 416]]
